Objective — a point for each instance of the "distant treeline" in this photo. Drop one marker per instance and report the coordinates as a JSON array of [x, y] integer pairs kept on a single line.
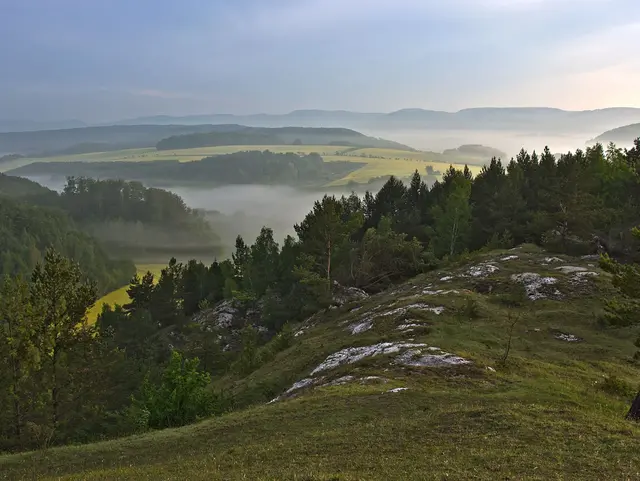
[[475, 151], [251, 167], [277, 136]]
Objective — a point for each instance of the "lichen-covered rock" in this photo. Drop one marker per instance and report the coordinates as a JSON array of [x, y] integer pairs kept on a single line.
[[360, 327], [482, 270], [536, 286], [551, 260], [567, 337], [434, 358], [222, 315], [344, 295], [352, 355], [571, 269]]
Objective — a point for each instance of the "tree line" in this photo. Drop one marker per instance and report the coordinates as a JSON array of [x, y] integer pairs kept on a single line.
[[250, 167]]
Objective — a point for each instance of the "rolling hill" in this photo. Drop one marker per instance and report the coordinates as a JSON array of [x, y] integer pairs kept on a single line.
[[46, 143], [413, 383]]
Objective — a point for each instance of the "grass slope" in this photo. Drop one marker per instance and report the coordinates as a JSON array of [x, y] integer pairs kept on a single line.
[[120, 296], [543, 415]]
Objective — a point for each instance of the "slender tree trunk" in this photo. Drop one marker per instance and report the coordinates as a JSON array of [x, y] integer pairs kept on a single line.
[[454, 237], [634, 411], [54, 391], [329, 262]]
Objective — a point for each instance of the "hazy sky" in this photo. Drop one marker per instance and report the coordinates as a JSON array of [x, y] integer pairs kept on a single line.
[[107, 59]]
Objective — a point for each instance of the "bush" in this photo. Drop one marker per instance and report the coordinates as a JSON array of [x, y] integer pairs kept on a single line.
[[182, 396]]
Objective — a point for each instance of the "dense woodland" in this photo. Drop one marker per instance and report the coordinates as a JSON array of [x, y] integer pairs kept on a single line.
[[26, 231], [148, 364], [251, 167], [128, 219]]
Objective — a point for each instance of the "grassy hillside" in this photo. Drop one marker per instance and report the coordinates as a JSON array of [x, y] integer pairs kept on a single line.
[[553, 410]]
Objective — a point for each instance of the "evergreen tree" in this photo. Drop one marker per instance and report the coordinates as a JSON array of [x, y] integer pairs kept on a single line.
[[61, 297]]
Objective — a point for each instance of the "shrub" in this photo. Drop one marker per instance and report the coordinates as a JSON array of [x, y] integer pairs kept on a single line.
[[182, 396]]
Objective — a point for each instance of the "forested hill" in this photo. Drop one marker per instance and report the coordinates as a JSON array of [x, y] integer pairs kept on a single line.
[[278, 136], [128, 219], [251, 167], [27, 231], [17, 187], [95, 139]]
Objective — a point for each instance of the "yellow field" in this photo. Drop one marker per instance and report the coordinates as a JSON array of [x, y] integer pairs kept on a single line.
[[182, 155], [389, 166], [120, 296]]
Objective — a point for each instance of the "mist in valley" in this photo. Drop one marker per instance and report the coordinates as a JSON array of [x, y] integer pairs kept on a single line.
[[236, 209], [509, 142], [244, 209]]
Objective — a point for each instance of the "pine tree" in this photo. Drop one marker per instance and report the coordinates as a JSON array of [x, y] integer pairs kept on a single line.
[[452, 220], [18, 349], [61, 297]]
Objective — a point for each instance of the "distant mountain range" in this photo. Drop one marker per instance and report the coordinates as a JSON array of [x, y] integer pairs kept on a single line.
[[533, 119], [530, 119]]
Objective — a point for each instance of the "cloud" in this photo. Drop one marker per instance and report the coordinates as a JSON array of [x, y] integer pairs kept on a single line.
[[252, 55]]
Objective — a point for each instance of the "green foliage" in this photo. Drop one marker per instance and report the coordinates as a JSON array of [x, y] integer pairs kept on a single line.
[[45, 339], [452, 219], [27, 231], [249, 356], [180, 397]]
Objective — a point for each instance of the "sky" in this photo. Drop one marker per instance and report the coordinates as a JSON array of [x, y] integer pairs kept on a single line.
[[99, 60]]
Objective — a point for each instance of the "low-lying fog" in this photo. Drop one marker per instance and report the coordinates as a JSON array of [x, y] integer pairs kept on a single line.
[[509, 142], [246, 208], [240, 209]]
